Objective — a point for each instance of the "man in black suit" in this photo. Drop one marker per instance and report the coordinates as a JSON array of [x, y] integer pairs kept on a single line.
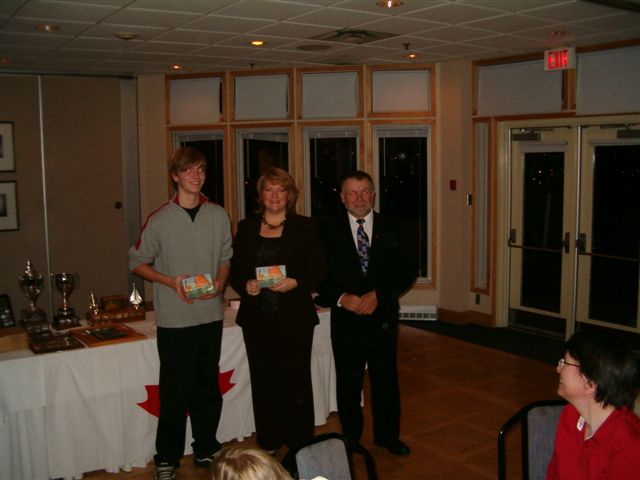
[[369, 269]]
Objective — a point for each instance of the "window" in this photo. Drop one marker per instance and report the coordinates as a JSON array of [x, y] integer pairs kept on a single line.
[[210, 144], [402, 171], [257, 151], [329, 153]]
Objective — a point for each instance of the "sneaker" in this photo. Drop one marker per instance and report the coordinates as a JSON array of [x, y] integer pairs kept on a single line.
[[205, 462], [165, 471]]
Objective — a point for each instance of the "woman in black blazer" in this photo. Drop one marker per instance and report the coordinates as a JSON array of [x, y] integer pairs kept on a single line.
[[278, 321]]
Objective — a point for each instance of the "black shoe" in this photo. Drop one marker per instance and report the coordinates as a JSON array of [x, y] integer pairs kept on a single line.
[[165, 471], [396, 447], [205, 461]]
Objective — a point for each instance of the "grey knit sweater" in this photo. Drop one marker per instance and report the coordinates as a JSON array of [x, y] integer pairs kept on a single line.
[[174, 245]]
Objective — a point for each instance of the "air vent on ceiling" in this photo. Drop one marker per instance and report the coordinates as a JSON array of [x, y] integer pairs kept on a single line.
[[348, 35]]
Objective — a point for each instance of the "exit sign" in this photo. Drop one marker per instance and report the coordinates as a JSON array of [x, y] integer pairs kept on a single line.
[[560, 58]]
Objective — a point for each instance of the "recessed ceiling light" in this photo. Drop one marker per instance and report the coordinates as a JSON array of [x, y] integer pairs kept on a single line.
[[313, 47], [389, 3], [126, 35], [257, 43], [47, 27], [411, 56], [176, 67], [558, 33]]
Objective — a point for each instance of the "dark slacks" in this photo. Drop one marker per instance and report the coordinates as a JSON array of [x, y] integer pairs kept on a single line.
[[377, 350], [189, 359], [280, 367]]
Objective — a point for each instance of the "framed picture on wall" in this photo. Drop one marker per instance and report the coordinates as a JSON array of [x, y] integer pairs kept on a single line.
[[8, 206], [7, 161]]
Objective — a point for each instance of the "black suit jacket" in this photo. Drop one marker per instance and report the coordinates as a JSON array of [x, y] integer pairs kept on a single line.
[[300, 251], [391, 272]]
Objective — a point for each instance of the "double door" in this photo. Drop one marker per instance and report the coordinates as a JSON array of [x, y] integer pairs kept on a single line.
[[574, 228]]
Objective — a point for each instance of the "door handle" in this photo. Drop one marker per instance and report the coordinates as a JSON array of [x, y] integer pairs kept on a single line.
[[512, 236], [581, 244], [566, 242]]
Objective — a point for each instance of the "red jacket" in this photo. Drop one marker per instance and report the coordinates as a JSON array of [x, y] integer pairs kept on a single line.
[[612, 453]]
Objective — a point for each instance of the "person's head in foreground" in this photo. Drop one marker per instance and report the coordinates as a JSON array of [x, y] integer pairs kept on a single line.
[[247, 463], [598, 369]]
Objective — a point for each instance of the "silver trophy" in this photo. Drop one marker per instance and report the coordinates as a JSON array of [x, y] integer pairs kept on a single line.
[[66, 316], [33, 318]]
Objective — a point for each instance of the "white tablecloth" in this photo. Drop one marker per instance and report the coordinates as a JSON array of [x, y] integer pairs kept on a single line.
[[72, 412]]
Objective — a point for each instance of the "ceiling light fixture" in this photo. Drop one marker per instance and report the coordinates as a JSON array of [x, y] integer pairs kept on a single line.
[[176, 67], [47, 27], [409, 55], [257, 43], [126, 35], [389, 3], [558, 33], [5, 61]]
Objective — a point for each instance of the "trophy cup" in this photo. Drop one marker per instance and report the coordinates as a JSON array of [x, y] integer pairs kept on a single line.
[[66, 316], [33, 318]]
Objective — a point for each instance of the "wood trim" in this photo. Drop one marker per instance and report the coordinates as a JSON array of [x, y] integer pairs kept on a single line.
[[469, 316]]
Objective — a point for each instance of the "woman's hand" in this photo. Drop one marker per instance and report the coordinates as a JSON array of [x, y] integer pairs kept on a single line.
[[252, 288], [284, 285]]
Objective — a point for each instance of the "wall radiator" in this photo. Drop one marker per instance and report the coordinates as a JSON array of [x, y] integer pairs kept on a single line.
[[419, 312]]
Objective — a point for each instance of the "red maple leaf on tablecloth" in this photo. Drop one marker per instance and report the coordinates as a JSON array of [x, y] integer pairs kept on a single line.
[[152, 403]]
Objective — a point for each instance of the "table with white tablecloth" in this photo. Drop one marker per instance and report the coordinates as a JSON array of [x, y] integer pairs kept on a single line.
[[66, 413]]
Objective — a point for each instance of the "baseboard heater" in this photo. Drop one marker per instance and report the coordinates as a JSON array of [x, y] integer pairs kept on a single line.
[[425, 313]]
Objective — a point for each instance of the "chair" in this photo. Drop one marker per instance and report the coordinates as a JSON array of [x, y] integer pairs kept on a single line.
[[328, 455], [538, 422]]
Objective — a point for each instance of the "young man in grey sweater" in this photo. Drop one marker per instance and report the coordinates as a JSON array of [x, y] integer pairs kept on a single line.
[[187, 236]]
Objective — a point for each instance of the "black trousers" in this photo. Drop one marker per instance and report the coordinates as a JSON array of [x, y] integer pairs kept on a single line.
[[189, 359], [280, 367], [376, 350]]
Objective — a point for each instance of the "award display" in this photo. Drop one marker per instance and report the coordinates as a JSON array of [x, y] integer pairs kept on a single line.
[[198, 286], [33, 318], [268, 276], [115, 309], [66, 316]]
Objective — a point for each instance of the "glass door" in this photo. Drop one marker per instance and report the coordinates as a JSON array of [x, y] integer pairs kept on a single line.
[[608, 241], [542, 222]]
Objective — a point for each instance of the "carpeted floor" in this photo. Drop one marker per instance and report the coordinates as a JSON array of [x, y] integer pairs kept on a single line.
[[530, 345]]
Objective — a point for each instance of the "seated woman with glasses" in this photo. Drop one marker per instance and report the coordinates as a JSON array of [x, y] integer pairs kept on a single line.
[[598, 435]]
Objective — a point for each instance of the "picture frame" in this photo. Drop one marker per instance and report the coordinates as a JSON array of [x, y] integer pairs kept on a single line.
[[8, 206], [7, 158]]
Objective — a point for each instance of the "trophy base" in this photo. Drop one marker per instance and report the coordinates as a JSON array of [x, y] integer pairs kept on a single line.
[[65, 320], [34, 320]]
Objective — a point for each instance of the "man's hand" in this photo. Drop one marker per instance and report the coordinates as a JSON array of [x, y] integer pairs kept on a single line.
[[368, 303], [252, 287], [364, 305], [176, 284]]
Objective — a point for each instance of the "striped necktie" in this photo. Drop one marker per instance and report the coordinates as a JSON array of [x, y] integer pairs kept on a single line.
[[363, 245]]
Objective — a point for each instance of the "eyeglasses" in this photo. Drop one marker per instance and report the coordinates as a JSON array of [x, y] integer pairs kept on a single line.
[[562, 362]]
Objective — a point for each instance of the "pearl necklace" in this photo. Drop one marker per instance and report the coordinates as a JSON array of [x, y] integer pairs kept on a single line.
[[273, 227]]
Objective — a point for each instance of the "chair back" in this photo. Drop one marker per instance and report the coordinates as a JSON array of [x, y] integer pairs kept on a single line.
[[328, 455], [326, 458], [538, 423]]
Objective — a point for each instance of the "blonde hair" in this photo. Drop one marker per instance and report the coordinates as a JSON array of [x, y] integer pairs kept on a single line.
[[246, 463]]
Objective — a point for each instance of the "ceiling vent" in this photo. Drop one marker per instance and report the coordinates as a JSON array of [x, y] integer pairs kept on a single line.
[[357, 37]]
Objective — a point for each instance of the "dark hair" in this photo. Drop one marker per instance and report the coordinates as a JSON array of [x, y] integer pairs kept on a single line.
[[184, 158], [356, 175], [280, 177], [609, 364]]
